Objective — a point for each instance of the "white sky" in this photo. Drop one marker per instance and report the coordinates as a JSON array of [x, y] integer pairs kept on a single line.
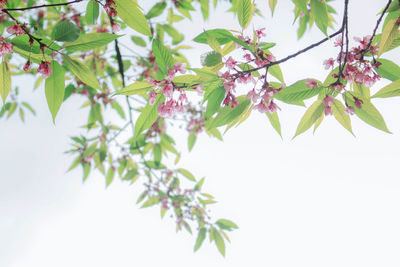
[[327, 199]]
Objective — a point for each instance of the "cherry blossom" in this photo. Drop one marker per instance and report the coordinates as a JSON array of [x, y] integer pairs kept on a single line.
[[116, 27], [179, 67], [27, 66], [15, 29], [329, 63], [260, 33], [358, 102], [349, 110], [5, 48], [311, 83], [152, 98], [230, 63], [44, 69]]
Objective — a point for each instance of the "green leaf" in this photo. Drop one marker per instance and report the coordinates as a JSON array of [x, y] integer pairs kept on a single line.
[[92, 12], [90, 150], [214, 101], [205, 8], [228, 114], [245, 10], [5, 79], [338, 110], [390, 90], [135, 88], [138, 41], [65, 31], [82, 72], [226, 224], [130, 12], [311, 115], [274, 120], [223, 36], [276, 71], [297, 92], [200, 238], [219, 242], [210, 59], [110, 176], [388, 69], [151, 201], [147, 117], [163, 56], [22, 42], [187, 174], [54, 89], [389, 33], [320, 14], [90, 41], [191, 141], [368, 112], [272, 5], [157, 154], [156, 10], [175, 35]]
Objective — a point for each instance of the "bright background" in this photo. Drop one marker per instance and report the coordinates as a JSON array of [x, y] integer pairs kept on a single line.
[[327, 199]]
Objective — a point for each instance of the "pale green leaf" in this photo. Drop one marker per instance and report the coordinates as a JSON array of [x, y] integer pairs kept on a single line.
[[82, 72], [54, 89], [130, 12], [311, 115], [5, 79]]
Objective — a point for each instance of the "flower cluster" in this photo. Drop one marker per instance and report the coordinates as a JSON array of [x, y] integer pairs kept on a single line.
[[5, 47], [264, 98], [167, 88]]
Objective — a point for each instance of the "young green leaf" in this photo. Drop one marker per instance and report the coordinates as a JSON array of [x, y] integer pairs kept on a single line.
[[54, 89], [200, 238], [135, 88], [191, 141], [211, 59], [297, 92], [214, 101], [272, 5], [311, 115], [130, 12], [228, 114], [156, 10], [163, 56], [338, 110], [110, 176], [390, 90], [92, 12], [90, 41], [205, 8], [388, 69], [219, 242], [82, 72], [274, 120], [138, 41], [226, 224], [187, 174], [5, 79], [389, 33], [320, 14], [147, 117], [65, 31], [245, 9]]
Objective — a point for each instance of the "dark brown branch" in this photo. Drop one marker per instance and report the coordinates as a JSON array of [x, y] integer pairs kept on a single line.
[[41, 6], [295, 54], [377, 24]]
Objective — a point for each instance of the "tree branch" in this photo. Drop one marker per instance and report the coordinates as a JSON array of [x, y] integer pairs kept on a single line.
[[377, 24], [41, 6]]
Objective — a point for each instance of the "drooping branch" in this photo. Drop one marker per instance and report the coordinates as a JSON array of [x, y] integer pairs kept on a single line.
[[41, 6], [377, 24]]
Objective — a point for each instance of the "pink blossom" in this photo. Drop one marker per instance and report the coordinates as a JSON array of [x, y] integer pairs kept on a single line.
[[230, 63], [168, 90], [261, 107], [311, 83], [225, 75], [261, 63], [329, 63], [267, 95], [171, 75], [260, 33], [6, 48], [328, 110], [350, 110], [229, 86], [338, 41], [152, 98], [247, 57], [272, 107], [328, 100], [183, 98], [115, 27], [27, 66], [111, 12], [246, 79], [15, 29], [179, 67], [253, 96], [270, 57], [358, 102], [44, 69], [199, 89]]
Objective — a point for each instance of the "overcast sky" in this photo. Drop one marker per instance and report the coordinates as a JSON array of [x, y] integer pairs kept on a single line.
[[328, 199]]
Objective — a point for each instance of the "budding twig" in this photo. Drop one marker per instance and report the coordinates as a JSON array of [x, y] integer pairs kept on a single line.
[[41, 6]]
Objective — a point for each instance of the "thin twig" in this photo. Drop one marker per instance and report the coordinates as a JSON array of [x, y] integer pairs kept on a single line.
[[41, 6], [377, 24]]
